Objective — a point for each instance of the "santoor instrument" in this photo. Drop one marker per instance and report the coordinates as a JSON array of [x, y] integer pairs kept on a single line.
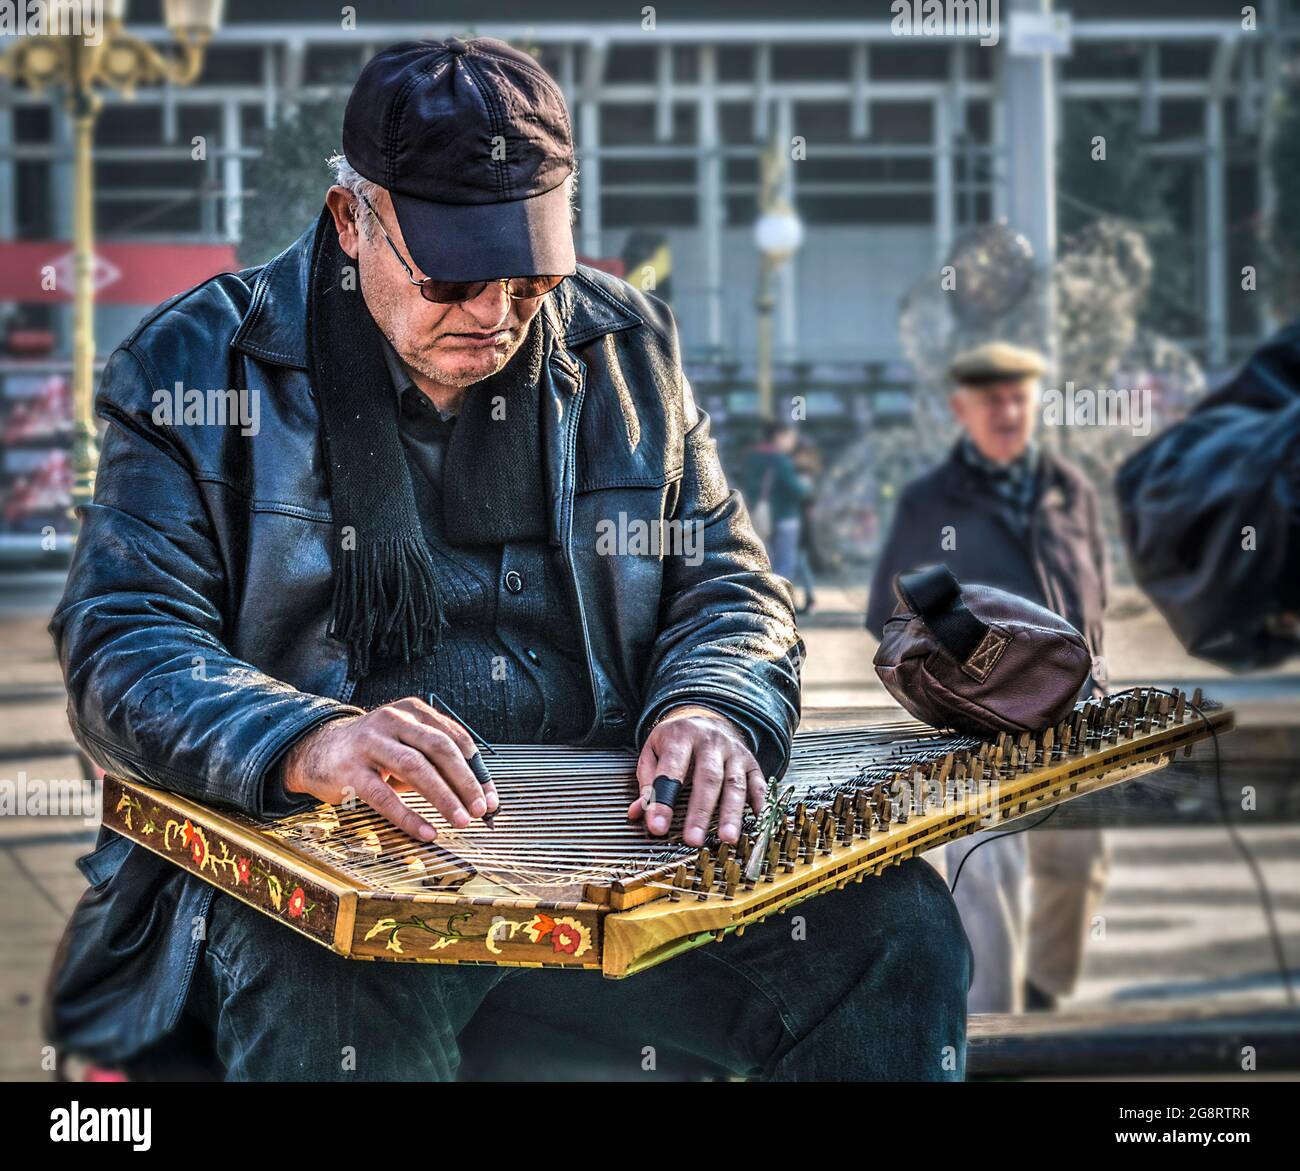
[[565, 880]]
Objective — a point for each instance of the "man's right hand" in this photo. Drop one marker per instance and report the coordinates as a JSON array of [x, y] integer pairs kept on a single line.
[[408, 742]]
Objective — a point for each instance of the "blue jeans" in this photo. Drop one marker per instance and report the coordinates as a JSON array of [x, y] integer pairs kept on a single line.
[[783, 548], [867, 983]]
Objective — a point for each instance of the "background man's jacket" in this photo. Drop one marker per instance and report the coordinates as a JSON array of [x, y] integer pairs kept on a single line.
[[1062, 563], [192, 634]]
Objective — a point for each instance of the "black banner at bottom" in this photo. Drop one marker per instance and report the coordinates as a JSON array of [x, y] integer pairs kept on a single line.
[[392, 1120]]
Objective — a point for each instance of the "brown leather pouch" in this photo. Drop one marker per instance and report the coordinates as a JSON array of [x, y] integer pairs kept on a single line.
[[978, 659]]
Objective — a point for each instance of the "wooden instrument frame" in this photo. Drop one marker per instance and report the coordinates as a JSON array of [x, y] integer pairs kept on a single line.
[[637, 926], [237, 857]]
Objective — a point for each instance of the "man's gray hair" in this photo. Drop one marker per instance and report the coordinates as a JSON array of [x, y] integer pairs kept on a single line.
[[346, 175]]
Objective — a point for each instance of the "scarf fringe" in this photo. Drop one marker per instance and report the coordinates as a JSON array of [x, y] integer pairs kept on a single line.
[[386, 603]]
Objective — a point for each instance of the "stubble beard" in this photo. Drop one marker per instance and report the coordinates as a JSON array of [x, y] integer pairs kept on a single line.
[[425, 363]]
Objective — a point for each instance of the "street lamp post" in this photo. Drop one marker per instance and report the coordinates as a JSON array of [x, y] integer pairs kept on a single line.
[[81, 68], [778, 234]]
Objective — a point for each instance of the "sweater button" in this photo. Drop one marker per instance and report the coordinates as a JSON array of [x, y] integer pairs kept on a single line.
[[514, 583], [532, 655]]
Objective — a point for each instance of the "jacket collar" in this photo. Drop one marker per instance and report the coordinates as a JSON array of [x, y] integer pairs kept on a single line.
[[274, 329], [1055, 487]]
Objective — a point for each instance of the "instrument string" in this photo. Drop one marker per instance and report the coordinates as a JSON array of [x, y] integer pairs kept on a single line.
[[580, 832]]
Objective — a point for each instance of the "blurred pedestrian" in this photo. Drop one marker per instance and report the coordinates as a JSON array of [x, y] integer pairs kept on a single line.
[[1001, 510], [775, 493], [810, 465]]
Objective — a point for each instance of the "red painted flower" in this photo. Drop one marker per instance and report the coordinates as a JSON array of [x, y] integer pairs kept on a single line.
[[242, 871], [187, 833], [566, 938], [297, 901], [198, 850]]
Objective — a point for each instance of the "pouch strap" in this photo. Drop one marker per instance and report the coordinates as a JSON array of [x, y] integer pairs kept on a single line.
[[934, 596]]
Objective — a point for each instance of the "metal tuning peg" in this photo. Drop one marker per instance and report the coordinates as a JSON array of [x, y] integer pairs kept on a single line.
[[681, 882], [772, 860], [789, 850], [808, 842], [862, 812], [884, 807], [704, 873], [731, 878]]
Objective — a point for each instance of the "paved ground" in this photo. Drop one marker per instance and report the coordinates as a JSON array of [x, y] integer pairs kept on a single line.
[[1182, 916]]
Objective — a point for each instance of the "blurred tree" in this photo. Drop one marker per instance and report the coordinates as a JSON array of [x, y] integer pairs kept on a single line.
[[290, 179], [1283, 275], [1127, 186]]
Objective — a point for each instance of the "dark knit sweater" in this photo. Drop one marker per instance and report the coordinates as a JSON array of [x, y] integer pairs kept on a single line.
[[510, 661]]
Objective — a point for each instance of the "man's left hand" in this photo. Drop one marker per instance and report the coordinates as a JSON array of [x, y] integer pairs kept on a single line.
[[701, 745]]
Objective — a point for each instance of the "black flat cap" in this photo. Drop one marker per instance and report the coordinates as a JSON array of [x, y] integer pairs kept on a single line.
[[473, 143]]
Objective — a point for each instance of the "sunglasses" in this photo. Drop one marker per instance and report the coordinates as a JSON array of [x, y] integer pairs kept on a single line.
[[518, 288]]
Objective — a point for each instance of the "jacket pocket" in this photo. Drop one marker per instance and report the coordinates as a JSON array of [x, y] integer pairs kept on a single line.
[[104, 860]]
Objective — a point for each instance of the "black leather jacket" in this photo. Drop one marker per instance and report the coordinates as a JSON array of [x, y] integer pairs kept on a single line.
[[192, 633]]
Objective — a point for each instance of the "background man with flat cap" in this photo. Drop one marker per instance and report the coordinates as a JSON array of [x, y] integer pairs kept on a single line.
[[1004, 511], [452, 409]]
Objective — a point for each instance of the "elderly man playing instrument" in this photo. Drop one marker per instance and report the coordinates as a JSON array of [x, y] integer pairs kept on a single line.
[[452, 411]]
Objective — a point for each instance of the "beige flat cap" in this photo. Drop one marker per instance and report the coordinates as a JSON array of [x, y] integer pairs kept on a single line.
[[995, 362]]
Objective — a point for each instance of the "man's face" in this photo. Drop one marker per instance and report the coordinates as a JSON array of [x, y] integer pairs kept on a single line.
[[454, 345], [999, 417]]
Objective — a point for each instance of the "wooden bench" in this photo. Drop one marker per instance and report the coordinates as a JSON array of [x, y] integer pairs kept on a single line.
[[1148, 1041]]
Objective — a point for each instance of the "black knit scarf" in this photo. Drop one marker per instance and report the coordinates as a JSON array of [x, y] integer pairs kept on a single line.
[[386, 603]]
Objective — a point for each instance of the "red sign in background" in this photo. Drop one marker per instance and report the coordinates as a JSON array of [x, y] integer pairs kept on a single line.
[[141, 274], [136, 274]]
